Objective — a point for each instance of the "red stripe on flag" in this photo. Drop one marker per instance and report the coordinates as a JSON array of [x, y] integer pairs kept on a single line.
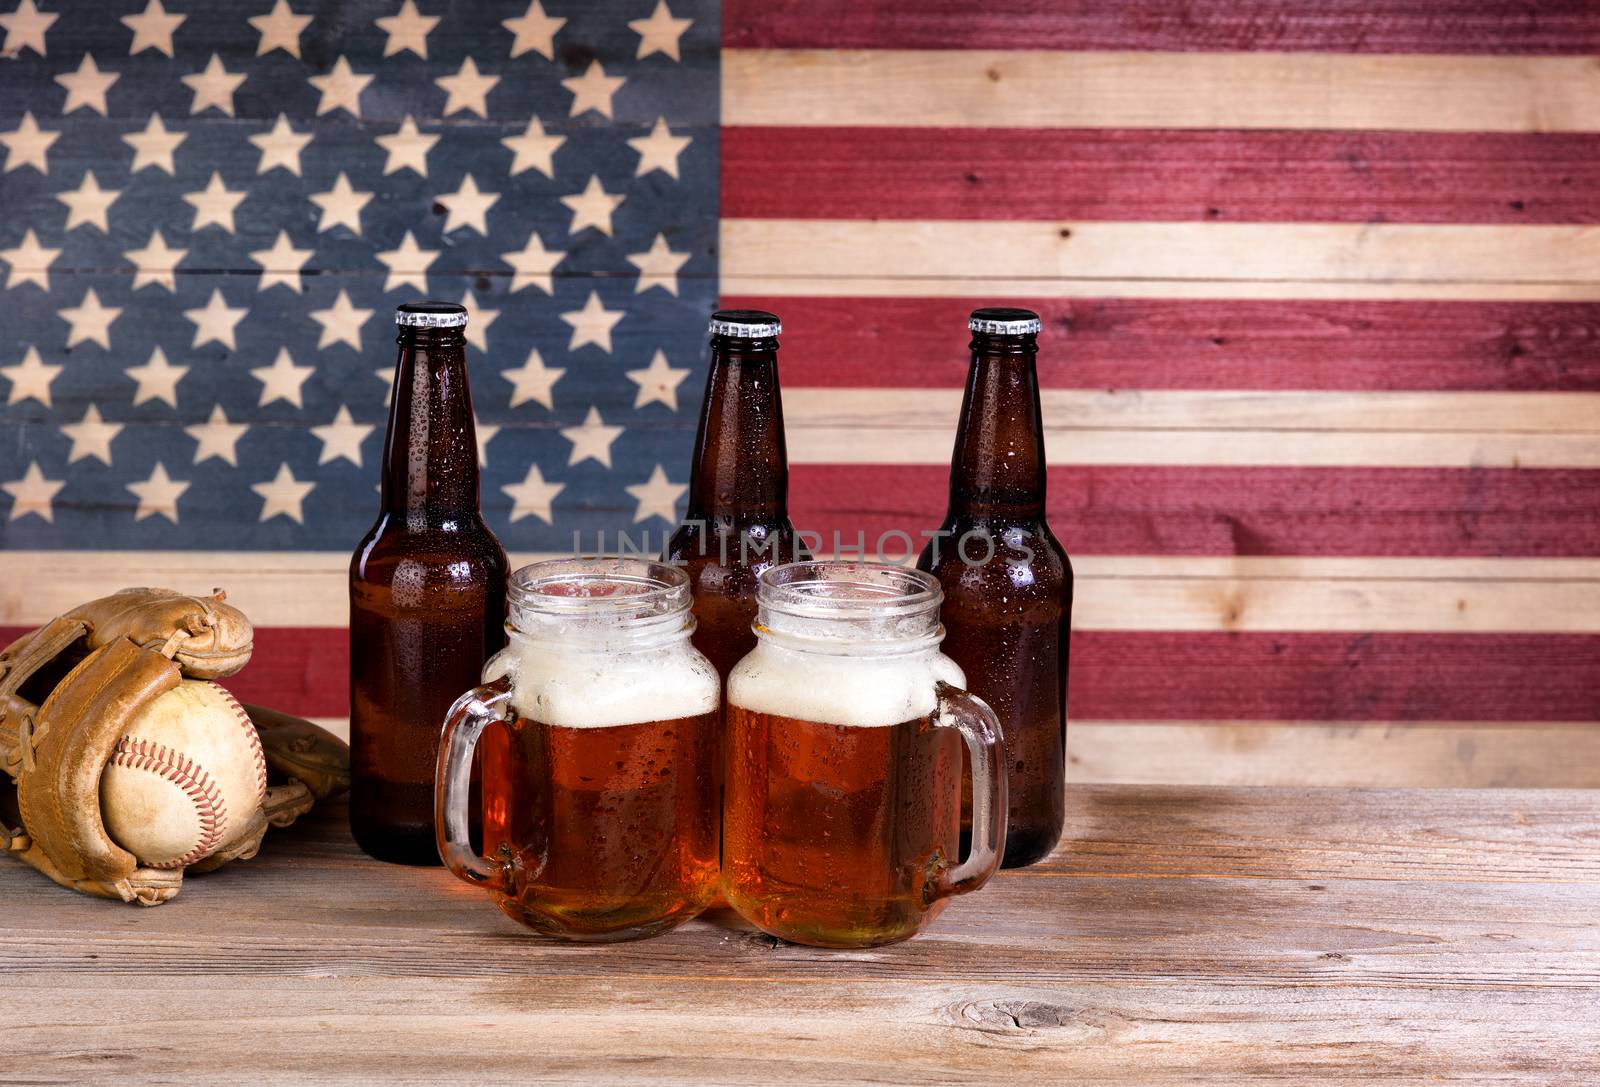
[[1145, 343], [303, 670], [1341, 26], [1166, 510], [1161, 175], [1334, 677], [1119, 675]]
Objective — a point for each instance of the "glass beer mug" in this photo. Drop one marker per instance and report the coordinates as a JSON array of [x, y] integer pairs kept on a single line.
[[842, 813], [600, 798]]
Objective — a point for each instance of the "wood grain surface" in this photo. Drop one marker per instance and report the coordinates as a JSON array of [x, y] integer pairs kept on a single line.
[[1332, 26], [1418, 92], [1179, 936]]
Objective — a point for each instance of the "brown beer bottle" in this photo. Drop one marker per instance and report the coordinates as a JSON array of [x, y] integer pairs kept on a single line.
[[427, 590], [1007, 581], [737, 521]]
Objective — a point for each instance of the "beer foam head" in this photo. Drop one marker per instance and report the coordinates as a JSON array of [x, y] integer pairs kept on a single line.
[[578, 686], [602, 642], [845, 643], [840, 688]]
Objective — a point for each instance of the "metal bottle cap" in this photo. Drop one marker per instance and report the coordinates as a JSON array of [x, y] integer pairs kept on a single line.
[[431, 315], [1004, 321], [746, 324]]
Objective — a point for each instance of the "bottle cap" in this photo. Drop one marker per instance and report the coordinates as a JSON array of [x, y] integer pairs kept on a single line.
[[431, 315], [746, 324], [1004, 321]]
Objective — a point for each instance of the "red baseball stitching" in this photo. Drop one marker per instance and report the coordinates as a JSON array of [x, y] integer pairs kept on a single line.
[[256, 754], [169, 765]]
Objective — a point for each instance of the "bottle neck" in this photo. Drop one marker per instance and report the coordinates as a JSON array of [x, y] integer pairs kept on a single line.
[[998, 469], [430, 454], [741, 472]]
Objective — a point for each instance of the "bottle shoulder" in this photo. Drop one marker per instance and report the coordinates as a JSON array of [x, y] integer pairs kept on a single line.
[[454, 546], [1010, 562]]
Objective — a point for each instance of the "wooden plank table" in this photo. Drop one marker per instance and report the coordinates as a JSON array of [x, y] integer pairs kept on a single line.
[[1180, 935]]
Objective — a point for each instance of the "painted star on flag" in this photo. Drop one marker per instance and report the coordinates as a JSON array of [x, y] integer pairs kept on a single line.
[[593, 90], [283, 494], [592, 440], [156, 262], [592, 324], [215, 321], [30, 379], [659, 33], [280, 265], [283, 380], [33, 493], [158, 496], [157, 380], [535, 32], [533, 496], [153, 146], [280, 147], [408, 149], [25, 29], [213, 87], [279, 29], [152, 28], [28, 145], [657, 497], [29, 262], [533, 380], [341, 322], [87, 87], [216, 437], [89, 320], [91, 437], [407, 31], [341, 89]]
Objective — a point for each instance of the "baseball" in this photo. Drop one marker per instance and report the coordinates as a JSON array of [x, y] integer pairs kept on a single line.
[[185, 779]]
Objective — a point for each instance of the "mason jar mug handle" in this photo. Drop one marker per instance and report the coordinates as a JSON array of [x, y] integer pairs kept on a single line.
[[463, 726], [980, 728]]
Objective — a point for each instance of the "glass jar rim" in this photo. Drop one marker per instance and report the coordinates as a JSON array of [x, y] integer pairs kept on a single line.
[[616, 589], [835, 589]]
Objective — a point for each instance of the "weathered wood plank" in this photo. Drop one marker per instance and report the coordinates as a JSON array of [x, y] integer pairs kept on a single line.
[[1069, 413], [1114, 593], [1309, 449], [1350, 754], [1232, 510], [1035, 88], [821, 257], [1178, 343], [788, 172], [1338, 26], [1234, 676], [1217, 935], [554, 1029], [1169, 427], [776, 284]]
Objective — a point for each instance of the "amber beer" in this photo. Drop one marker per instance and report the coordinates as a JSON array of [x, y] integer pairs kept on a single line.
[[1007, 581], [427, 590], [608, 827], [832, 827], [842, 813], [602, 815], [737, 520]]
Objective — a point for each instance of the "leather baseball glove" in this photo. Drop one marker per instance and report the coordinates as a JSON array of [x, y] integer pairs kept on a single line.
[[69, 689]]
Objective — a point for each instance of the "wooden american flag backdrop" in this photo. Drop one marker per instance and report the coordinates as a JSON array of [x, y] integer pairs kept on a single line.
[[1321, 286]]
